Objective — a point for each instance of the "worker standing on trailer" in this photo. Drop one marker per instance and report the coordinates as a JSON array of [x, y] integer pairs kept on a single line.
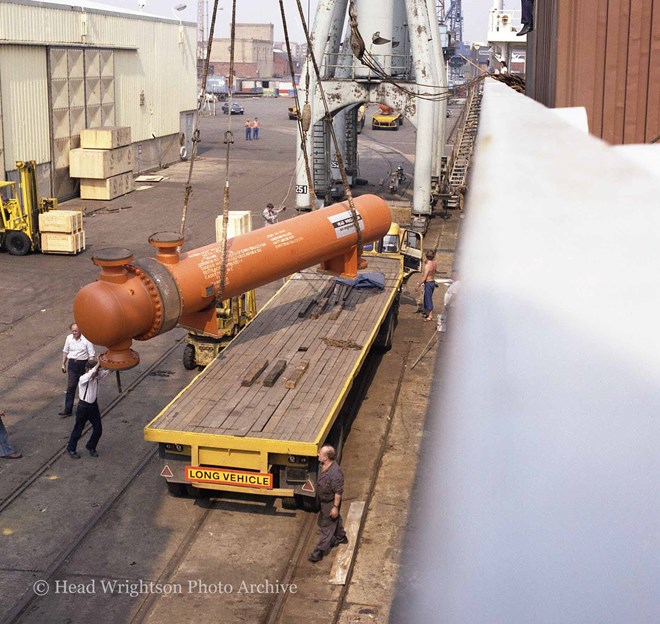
[[271, 215], [329, 489], [77, 351], [88, 409]]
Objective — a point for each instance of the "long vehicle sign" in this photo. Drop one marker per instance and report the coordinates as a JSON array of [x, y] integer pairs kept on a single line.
[[240, 478]]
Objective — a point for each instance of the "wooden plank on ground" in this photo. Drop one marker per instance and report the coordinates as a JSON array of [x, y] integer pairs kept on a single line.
[[253, 373], [345, 554], [296, 375]]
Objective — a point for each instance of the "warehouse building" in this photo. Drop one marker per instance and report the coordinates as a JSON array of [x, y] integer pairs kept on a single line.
[[69, 66]]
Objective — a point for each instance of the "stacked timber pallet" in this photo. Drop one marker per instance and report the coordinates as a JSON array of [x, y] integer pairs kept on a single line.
[[239, 222], [62, 232], [104, 163]]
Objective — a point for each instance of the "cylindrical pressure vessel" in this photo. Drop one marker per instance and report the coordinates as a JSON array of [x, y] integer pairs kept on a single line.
[[141, 299]]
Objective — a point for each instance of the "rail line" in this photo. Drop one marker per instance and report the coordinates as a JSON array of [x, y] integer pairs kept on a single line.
[[47, 465]]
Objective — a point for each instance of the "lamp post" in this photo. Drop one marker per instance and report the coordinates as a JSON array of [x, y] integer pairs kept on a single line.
[[175, 9]]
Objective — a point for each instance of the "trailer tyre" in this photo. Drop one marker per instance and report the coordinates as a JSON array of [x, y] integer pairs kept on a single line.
[[384, 337], [189, 357], [195, 492], [289, 503], [306, 503], [177, 490], [18, 243]]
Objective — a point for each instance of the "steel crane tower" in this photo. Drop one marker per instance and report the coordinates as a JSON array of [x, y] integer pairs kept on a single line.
[[454, 19], [202, 11]]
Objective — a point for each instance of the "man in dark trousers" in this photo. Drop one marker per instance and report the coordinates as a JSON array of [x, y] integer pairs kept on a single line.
[[6, 451], [329, 489], [527, 19], [88, 409], [77, 350]]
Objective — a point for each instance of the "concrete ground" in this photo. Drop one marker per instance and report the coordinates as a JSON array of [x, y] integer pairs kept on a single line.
[[146, 534]]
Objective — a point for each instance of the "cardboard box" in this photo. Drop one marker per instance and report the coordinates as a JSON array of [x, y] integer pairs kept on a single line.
[[105, 138], [240, 222], [54, 242], [107, 189], [100, 164], [65, 221]]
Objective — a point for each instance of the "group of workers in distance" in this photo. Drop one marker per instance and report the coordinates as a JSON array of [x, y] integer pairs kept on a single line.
[[252, 129]]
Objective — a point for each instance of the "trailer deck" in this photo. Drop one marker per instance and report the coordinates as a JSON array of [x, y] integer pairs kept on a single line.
[[219, 400]]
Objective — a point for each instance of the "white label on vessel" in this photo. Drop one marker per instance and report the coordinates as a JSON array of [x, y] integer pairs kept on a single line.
[[344, 224]]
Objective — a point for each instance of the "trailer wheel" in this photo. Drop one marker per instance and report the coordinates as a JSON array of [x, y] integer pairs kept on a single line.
[[177, 490], [18, 243], [306, 503], [289, 503], [189, 357], [195, 492], [384, 338]]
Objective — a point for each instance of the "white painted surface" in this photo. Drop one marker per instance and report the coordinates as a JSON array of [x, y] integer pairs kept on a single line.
[[539, 500]]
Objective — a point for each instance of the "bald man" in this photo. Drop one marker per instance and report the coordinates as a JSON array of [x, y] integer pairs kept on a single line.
[[77, 350], [329, 489]]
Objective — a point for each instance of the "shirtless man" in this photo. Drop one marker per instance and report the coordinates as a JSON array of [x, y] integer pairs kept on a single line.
[[428, 282]]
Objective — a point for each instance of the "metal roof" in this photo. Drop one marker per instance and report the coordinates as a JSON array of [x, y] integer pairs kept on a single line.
[[96, 7]]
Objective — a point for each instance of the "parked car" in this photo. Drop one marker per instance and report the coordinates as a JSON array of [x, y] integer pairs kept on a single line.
[[236, 109]]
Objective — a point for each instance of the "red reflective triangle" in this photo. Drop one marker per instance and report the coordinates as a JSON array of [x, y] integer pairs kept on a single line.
[[308, 486], [166, 472]]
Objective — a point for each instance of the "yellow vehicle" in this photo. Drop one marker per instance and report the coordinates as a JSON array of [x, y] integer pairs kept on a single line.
[[19, 217], [399, 241], [254, 420], [293, 112], [386, 119], [233, 315]]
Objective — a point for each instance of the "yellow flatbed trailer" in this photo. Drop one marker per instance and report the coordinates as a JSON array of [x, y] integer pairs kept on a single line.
[[231, 429]]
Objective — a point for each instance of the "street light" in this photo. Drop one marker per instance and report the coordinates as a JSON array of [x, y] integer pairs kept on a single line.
[[179, 7]]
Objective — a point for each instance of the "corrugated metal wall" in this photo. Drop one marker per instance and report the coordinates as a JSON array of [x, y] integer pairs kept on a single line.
[[24, 92], [155, 75], [607, 59]]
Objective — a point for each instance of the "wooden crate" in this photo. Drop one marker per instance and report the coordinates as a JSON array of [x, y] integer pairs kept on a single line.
[[59, 243], [65, 221], [100, 164], [107, 189], [105, 138], [240, 222]]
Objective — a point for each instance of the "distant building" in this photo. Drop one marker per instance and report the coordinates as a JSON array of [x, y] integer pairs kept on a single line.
[[253, 54]]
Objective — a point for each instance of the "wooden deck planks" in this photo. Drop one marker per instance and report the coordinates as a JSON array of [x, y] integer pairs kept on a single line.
[[217, 402]]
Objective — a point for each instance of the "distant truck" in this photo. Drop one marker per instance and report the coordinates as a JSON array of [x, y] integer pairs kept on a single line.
[[218, 86], [254, 420], [402, 242], [386, 119]]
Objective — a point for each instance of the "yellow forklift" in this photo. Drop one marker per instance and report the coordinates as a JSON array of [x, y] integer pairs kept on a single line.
[[233, 315], [19, 217]]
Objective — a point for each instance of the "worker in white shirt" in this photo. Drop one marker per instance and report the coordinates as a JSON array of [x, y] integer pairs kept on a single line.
[[270, 214], [77, 351], [88, 409]]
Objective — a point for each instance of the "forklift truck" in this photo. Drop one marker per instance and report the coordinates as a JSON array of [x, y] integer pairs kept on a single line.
[[19, 216]]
